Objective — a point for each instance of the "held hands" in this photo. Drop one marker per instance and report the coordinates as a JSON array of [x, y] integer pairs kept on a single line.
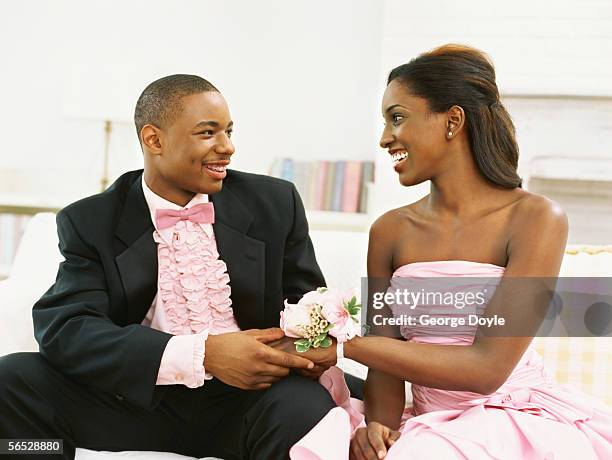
[[372, 443], [323, 358], [244, 360]]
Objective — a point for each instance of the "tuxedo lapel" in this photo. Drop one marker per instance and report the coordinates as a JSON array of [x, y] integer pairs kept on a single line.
[[137, 264], [243, 255]]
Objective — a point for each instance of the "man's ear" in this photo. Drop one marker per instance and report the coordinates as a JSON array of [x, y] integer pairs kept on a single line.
[[150, 137]]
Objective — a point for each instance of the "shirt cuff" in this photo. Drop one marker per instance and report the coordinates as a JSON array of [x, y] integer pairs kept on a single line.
[[183, 361]]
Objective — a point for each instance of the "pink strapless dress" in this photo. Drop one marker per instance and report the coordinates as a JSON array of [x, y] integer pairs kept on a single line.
[[528, 417]]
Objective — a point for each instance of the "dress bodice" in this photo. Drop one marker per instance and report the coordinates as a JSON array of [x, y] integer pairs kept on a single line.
[[452, 277]]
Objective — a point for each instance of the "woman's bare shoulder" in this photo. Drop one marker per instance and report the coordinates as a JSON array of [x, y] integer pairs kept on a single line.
[[394, 220], [538, 208], [535, 217]]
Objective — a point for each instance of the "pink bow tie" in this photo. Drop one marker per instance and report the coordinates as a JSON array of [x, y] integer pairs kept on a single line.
[[203, 213]]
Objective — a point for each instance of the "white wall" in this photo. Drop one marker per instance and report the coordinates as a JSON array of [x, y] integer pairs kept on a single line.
[[303, 78], [561, 48], [300, 78], [542, 47]]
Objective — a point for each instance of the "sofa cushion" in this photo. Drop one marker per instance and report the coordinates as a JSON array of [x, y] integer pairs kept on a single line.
[[86, 454]]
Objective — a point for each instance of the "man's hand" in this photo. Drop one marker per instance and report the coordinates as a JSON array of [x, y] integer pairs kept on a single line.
[[372, 443], [323, 358], [243, 360]]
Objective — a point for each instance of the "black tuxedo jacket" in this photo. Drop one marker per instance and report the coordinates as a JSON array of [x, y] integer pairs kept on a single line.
[[88, 323]]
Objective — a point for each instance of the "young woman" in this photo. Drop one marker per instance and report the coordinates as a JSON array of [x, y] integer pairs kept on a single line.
[[474, 396]]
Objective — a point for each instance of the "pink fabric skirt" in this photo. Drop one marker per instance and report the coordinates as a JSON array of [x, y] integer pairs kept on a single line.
[[548, 422]]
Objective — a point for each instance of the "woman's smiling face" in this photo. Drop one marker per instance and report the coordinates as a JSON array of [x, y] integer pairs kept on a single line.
[[414, 136]]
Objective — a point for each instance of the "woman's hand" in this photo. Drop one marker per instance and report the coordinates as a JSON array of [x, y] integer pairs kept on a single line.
[[372, 443]]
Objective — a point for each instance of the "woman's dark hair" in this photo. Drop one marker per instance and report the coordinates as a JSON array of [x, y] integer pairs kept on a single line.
[[464, 76]]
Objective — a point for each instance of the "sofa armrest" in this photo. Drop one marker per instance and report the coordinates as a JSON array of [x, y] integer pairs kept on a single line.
[[16, 329], [32, 273]]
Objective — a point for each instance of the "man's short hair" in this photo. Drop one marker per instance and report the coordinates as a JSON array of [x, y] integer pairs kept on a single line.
[[160, 102]]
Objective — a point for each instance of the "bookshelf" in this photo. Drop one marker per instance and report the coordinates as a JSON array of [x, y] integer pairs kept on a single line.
[[339, 186], [336, 194]]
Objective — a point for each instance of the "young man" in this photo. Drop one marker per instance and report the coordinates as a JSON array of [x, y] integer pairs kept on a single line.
[[151, 336]]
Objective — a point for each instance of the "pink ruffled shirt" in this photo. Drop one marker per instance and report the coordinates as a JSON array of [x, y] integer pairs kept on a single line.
[[193, 294]]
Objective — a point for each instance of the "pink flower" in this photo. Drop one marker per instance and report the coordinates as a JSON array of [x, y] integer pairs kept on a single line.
[[341, 320], [332, 307], [312, 297], [345, 327], [292, 317]]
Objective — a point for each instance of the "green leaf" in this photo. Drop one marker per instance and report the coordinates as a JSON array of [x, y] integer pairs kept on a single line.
[[302, 347], [317, 340], [352, 306], [302, 342], [326, 342], [328, 328]]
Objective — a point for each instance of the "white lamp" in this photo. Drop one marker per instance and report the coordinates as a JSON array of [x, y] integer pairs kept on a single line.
[[102, 96]]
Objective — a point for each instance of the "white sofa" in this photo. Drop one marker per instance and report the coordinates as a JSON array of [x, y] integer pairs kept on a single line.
[[587, 363]]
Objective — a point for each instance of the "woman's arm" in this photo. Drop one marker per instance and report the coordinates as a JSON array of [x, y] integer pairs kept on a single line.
[[385, 398], [535, 252], [385, 395]]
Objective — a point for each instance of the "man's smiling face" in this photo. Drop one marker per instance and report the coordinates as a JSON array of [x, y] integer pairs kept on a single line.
[[197, 147], [192, 153]]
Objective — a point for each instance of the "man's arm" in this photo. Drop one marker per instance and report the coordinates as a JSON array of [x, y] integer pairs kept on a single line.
[[301, 273], [75, 333]]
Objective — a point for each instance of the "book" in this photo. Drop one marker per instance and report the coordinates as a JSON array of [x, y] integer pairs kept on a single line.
[[287, 169], [300, 171], [276, 170], [312, 178], [352, 186], [367, 176], [329, 186], [338, 186], [319, 198]]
